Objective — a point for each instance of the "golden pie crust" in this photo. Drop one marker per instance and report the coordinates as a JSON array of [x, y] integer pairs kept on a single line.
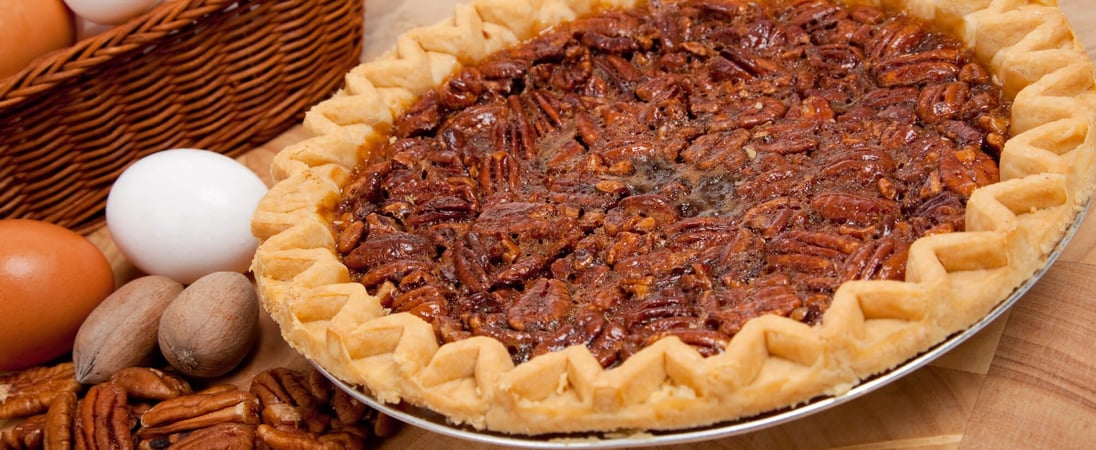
[[953, 280]]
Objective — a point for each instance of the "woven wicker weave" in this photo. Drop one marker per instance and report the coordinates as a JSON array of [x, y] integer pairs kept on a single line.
[[222, 75]]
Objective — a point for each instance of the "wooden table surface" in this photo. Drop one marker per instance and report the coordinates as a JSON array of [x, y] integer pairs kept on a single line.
[[1026, 381]]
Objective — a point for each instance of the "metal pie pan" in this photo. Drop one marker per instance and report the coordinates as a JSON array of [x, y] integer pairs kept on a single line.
[[431, 421]]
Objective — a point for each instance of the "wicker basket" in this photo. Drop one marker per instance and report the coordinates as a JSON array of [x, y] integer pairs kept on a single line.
[[222, 75]]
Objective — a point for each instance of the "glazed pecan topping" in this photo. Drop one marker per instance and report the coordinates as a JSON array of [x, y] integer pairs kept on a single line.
[[675, 171]]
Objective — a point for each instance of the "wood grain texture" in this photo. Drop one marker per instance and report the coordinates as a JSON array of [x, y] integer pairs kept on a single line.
[[1039, 389]]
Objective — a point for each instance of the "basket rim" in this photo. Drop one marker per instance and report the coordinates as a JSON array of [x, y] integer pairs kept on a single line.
[[172, 77], [91, 53]]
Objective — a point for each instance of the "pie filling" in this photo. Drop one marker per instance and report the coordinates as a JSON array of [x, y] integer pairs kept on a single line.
[[671, 171]]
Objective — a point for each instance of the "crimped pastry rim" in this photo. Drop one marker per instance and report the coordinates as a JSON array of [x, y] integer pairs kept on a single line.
[[953, 280]]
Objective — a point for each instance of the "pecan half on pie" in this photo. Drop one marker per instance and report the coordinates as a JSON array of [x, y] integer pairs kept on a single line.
[[665, 215]]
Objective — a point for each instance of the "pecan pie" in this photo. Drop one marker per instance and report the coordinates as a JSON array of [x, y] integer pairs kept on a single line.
[[672, 171], [665, 215]]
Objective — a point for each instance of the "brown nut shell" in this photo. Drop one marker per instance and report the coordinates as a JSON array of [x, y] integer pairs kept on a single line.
[[212, 325], [122, 330]]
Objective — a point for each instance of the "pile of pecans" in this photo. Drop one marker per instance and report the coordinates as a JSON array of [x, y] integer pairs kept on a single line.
[[147, 408]]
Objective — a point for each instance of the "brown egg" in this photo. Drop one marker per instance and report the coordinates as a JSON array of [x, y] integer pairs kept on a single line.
[[32, 28], [51, 278]]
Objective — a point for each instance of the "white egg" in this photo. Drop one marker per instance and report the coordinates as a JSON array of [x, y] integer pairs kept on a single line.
[[110, 12], [185, 213]]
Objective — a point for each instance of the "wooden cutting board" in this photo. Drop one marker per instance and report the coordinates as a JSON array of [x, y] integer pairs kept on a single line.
[[1027, 381]]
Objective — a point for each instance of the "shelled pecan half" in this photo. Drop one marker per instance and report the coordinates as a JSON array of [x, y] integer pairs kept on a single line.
[[25, 436], [200, 410], [61, 422], [103, 421], [347, 438], [287, 401], [226, 436], [30, 391], [150, 384]]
